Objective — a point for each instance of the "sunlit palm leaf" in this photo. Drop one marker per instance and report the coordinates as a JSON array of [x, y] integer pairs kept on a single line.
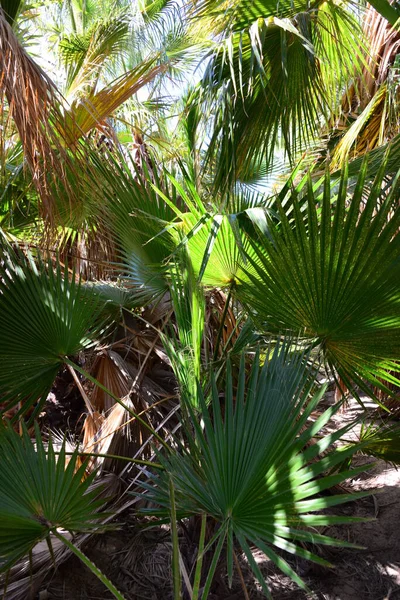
[[240, 13], [382, 441], [250, 467], [86, 112], [332, 274], [86, 54], [271, 82]]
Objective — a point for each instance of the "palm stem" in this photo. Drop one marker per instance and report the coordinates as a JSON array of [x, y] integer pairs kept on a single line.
[[176, 574], [200, 555], [89, 564]]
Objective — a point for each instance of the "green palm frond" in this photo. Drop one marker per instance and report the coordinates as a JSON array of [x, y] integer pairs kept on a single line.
[[389, 153], [85, 54], [381, 441], [272, 84], [139, 221], [241, 13], [44, 318], [40, 492], [184, 347], [212, 234], [250, 469], [11, 9], [330, 272], [152, 9], [44, 495]]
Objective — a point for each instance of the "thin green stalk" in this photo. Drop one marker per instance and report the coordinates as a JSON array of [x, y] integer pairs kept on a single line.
[[176, 573], [147, 463], [213, 566], [200, 556], [89, 564]]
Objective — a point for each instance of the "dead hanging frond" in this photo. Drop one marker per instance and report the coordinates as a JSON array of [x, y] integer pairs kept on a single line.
[[31, 100], [116, 432], [370, 105], [113, 378]]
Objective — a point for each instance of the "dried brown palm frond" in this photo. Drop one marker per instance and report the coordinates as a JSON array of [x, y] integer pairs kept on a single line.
[[86, 113], [35, 106], [26, 576], [221, 322], [118, 433], [148, 563], [114, 437], [113, 378], [91, 428], [370, 105]]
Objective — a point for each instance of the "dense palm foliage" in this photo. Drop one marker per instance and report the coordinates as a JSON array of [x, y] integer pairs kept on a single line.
[[199, 213]]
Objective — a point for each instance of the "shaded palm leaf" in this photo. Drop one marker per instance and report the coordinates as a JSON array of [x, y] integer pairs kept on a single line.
[[11, 9], [44, 496], [140, 223], [40, 492], [44, 317]]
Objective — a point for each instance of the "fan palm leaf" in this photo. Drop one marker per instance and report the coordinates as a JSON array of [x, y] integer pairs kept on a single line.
[[40, 492], [139, 221], [250, 470], [44, 495], [270, 81], [331, 273], [241, 14], [44, 318], [85, 55]]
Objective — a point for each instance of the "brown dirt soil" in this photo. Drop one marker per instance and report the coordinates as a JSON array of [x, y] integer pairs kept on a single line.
[[139, 563]]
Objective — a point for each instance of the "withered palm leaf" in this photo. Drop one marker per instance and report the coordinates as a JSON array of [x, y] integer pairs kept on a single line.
[[36, 109]]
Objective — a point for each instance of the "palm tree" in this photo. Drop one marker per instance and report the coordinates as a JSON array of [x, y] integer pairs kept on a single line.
[[222, 300]]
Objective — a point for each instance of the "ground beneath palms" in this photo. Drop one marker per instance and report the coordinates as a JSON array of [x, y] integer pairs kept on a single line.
[[138, 561]]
